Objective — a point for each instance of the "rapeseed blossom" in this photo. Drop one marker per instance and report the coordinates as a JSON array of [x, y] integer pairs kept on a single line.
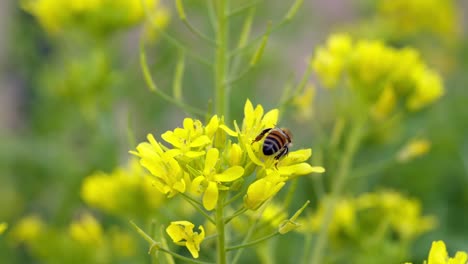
[[103, 191], [383, 76], [195, 160], [87, 230], [204, 161], [56, 16], [181, 232]]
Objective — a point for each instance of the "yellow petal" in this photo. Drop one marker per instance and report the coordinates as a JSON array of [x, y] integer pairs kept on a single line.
[[192, 248], [229, 131], [438, 253], [230, 174], [196, 184], [460, 258], [170, 138], [200, 141], [210, 198], [211, 159], [194, 154], [271, 118], [252, 155]]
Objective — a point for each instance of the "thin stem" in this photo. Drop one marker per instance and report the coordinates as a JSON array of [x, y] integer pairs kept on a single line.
[[221, 59], [152, 85], [244, 8], [343, 171], [237, 213], [177, 256], [234, 198], [198, 208], [260, 240], [220, 229], [171, 39]]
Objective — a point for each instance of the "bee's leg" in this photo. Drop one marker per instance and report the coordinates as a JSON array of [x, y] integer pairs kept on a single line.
[[261, 135], [282, 153]]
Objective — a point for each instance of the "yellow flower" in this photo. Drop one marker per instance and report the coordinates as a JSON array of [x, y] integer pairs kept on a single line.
[[413, 149], [181, 233], [28, 229], [189, 140], [385, 104], [170, 177], [87, 230], [104, 191], [438, 255], [304, 102], [330, 61], [210, 181], [263, 189], [3, 227]]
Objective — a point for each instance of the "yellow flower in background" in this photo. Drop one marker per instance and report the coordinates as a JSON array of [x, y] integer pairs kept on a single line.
[[211, 181], [87, 230], [170, 178], [181, 232], [304, 103], [382, 75], [413, 149], [3, 227], [438, 255], [28, 229], [331, 60], [56, 16], [123, 243], [400, 214], [405, 18], [104, 191]]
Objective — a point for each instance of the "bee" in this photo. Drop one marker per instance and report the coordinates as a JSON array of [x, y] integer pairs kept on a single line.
[[277, 142]]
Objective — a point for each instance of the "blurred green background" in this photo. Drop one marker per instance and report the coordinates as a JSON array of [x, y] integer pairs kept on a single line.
[[75, 102]]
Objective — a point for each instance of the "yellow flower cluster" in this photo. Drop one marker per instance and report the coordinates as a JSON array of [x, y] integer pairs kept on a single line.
[[94, 15], [401, 214], [409, 17], [206, 160], [104, 191], [380, 74], [203, 160]]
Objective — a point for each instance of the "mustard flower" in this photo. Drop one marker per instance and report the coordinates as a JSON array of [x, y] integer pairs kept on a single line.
[[170, 177], [103, 191], [56, 16], [28, 229], [263, 189], [304, 103], [181, 232], [3, 227], [385, 77], [189, 140], [210, 181], [438, 255], [413, 149], [87, 230]]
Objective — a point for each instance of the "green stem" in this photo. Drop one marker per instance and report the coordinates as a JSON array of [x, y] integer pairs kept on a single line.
[[343, 172], [221, 58], [221, 248], [253, 242], [198, 208], [237, 213]]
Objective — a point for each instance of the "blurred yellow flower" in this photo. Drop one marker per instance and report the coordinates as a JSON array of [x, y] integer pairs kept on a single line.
[[3, 227], [406, 18], [123, 243], [56, 16], [181, 233], [87, 230], [104, 191], [413, 149], [304, 104], [382, 75], [28, 229], [438, 255]]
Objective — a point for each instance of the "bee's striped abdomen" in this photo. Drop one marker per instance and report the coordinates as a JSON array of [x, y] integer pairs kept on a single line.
[[273, 142]]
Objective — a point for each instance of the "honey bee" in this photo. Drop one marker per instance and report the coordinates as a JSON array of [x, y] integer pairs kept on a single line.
[[277, 142]]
